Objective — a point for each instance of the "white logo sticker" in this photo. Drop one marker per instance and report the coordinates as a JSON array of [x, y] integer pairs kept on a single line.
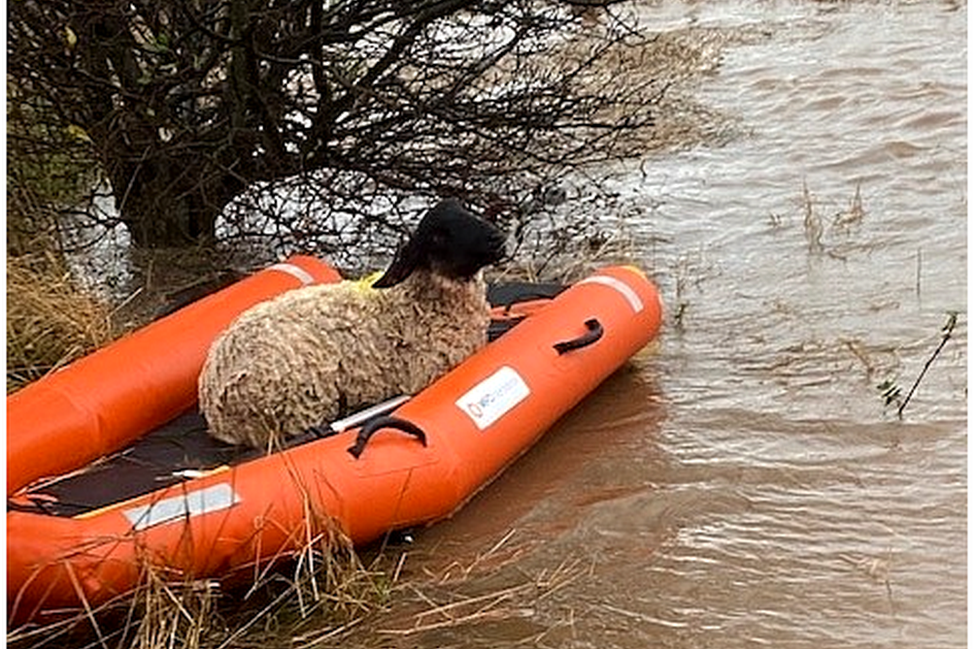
[[486, 402]]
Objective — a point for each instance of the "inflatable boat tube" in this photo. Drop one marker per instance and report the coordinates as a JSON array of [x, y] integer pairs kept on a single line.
[[100, 403], [411, 467]]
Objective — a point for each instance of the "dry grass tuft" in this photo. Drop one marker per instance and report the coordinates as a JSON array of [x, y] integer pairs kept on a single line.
[[50, 322], [324, 590], [166, 613], [316, 593], [300, 600]]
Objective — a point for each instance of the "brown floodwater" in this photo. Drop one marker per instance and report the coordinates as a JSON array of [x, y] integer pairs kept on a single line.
[[742, 484]]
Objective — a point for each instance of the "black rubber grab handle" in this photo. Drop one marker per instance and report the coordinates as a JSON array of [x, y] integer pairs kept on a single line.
[[594, 332], [384, 421]]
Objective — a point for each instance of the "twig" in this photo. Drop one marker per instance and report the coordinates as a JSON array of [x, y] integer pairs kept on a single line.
[[946, 334]]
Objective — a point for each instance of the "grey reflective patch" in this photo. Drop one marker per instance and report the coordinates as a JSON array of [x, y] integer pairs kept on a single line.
[[204, 501]]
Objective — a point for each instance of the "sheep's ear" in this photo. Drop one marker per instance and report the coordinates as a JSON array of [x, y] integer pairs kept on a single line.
[[405, 262]]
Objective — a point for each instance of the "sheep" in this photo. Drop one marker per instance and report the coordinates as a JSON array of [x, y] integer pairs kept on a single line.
[[298, 361]]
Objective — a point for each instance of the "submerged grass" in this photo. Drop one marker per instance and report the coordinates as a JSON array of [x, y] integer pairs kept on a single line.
[[829, 233], [490, 588]]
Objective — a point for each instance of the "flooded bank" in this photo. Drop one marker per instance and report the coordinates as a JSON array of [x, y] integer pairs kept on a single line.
[[743, 484]]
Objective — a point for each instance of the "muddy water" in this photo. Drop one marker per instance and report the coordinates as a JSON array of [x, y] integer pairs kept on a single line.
[[742, 484]]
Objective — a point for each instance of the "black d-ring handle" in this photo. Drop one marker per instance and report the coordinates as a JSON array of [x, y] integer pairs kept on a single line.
[[384, 421], [594, 331]]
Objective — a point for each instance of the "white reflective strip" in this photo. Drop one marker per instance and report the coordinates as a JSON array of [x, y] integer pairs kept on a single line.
[[297, 272], [212, 499], [629, 294]]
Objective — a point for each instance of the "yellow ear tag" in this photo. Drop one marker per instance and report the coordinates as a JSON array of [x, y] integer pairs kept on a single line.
[[365, 284]]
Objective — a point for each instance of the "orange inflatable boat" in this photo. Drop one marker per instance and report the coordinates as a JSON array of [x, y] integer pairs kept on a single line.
[[416, 464]]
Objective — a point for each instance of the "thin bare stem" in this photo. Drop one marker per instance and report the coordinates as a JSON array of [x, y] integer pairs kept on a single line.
[[946, 335]]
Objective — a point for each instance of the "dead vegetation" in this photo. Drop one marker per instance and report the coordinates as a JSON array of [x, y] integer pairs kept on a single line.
[[50, 320], [300, 599], [322, 596], [830, 233], [490, 588]]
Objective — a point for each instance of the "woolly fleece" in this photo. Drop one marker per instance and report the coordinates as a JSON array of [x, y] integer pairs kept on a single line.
[[314, 354]]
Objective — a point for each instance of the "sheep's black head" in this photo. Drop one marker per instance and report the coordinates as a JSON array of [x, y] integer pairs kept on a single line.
[[450, 241]]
